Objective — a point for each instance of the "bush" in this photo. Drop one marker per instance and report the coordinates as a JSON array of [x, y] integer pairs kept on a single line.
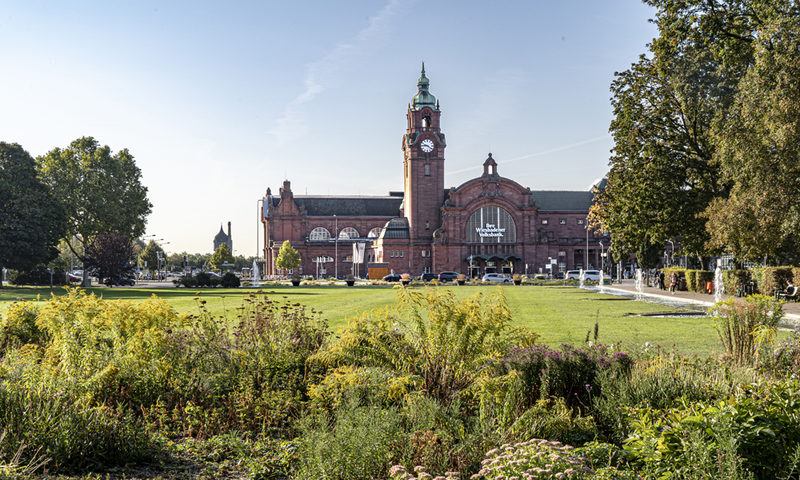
[[38, 275], [691, 280], [747, 327], [229, 280], [775, 278], [203, 279], [19, 327]]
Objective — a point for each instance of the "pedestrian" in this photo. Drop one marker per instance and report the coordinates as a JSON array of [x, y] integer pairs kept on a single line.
[[661, 281], [673, 282]]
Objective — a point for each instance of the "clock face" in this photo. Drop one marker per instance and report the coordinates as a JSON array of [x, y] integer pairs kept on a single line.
[[427, 145]]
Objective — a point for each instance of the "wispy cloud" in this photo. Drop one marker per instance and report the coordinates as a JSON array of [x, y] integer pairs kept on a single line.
[[291, 125], [537, 154]]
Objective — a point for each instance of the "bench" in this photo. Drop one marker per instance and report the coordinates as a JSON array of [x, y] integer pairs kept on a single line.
[[790, 293]]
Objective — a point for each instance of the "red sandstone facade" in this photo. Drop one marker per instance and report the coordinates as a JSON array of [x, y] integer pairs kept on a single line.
[[487, 224]]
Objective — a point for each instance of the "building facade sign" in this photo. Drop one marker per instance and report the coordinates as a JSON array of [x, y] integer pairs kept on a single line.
[[491, 224]]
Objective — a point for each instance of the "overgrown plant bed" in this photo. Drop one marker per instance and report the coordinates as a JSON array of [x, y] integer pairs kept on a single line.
[[440, 384]]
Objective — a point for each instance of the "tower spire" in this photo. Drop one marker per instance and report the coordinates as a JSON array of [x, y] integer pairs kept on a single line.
[[423, 68]]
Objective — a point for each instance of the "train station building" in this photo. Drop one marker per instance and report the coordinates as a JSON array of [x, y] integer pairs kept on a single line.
[[487, 224]]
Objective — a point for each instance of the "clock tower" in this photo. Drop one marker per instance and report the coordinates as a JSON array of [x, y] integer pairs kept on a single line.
[[423, 164]]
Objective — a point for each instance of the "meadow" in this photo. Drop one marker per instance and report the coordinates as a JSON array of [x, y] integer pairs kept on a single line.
[[559, 314]]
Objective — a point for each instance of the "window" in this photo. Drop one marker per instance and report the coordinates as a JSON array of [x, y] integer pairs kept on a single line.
[[580, 221], [401, 253], [562, 253], [427, 225], [427, 170], [348, 233], [374, 233], [562, 221], [348, 259], [491, 224], [426, 270], [319, 234], [544, 221], [426, 253]]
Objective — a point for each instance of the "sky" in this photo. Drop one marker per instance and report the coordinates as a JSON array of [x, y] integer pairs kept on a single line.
[[219, 100]]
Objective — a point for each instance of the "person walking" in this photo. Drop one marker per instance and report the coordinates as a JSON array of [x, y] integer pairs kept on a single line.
[[661, 278], [673, 282]]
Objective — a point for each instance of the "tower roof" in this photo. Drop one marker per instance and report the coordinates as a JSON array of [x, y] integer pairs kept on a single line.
[[221, 236], [423, 98]]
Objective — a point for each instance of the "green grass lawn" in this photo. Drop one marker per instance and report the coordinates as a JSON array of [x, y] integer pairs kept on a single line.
[[559, 314]]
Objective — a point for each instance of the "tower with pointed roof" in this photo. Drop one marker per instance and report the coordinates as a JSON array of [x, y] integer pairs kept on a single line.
[[423, 164], [221, 237]]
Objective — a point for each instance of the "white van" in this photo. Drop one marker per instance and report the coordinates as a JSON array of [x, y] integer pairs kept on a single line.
[[593, 275]]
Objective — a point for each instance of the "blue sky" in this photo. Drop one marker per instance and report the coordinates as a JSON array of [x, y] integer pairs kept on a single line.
[[218, 101]]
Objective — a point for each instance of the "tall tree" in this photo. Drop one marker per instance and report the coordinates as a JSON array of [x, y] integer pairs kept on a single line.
[[220, 256], [759, 152], [31, 221], [110, 255], [101, 191], [668, 108]]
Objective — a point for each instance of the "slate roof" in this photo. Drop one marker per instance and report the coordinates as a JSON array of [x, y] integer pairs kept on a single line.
[[395, 228], [559, 200], [353, 206]]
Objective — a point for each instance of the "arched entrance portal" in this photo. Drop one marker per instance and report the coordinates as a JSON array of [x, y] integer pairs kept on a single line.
[[491, 235]]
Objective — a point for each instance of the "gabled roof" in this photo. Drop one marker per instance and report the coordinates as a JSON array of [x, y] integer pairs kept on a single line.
[[352, 206], [395, 228], [559, 200]]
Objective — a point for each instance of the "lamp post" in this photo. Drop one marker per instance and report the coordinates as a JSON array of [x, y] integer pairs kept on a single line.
[[586, 255], [602, 257], [259, 209], [336, 247]]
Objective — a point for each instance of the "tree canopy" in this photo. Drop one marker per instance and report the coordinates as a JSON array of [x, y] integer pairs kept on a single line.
[[101, 191], [110, 255], [288, 257], [31, 221], [149, 257], [675, 112], [220, 256]]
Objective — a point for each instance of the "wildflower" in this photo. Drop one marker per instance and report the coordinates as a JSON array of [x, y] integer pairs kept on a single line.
[[397, 469], [419, 468], [492, 452], [560, 475]]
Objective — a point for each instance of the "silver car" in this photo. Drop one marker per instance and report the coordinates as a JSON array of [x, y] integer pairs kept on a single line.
[[496, 278]]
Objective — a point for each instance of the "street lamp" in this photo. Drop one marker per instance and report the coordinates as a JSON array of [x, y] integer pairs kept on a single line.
[[602, 256], [586, 254]]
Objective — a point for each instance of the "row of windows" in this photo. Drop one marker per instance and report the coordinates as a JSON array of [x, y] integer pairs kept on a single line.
[[561, 221], [347, 233], [396, 254]]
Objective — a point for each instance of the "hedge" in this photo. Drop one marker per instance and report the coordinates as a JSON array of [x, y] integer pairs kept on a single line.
[[703, 277], [775, 278], [734, 280]]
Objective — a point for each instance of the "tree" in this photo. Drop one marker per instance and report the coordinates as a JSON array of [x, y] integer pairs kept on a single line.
[[149, 258], [288, 257], [759, 153], [663, 171], [109, 255], [101, 191], [221, 255], [31, 221]]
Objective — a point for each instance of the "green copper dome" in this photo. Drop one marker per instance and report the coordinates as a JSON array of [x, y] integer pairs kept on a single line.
[[423, 98]]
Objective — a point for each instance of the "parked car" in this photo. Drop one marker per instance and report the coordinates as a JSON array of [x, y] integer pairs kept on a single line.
[[427, 277], [558, 275], [448, 276], [573, 275], [392, 277], [496, 278], [123, 281], [74, 278]]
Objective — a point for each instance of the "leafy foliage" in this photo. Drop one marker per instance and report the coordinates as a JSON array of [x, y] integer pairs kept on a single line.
[[101, 191], [149, 257], [109, 255], [220, 256], [746, 327], [288, 257], [31, 221]]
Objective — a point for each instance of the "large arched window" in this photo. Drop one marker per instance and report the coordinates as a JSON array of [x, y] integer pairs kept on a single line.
[[319, 233], [491, 224], [374, 233], [348, 233]]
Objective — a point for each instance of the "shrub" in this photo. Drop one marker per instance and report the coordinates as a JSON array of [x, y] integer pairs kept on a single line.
[[19, 327], [775, 278], [431, 335], [38, 275], [230, 280], [785, 362], [203, 279], [746, 326]]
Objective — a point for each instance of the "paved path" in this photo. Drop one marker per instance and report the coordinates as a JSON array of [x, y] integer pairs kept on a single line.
[[791, 310]]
